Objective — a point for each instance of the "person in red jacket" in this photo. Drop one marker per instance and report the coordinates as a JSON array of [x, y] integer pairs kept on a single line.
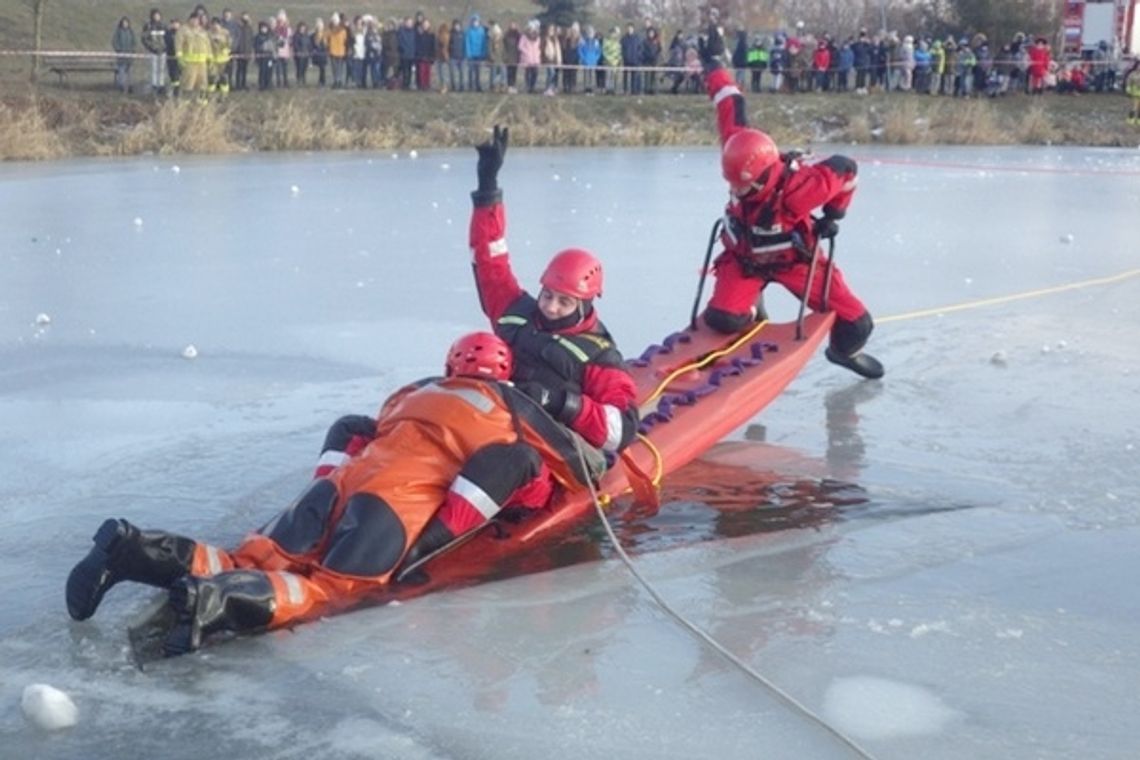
[[564, 356], [770, 235], [446, 454], [1040, 57]]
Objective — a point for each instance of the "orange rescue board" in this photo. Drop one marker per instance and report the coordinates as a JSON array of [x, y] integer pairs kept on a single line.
[[694, 389]]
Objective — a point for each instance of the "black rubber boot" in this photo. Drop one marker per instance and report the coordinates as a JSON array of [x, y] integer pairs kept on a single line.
[[861, 363], [434, 537], [241, 601], [124, 553]]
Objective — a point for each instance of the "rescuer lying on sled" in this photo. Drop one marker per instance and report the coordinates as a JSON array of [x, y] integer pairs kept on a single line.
[[445, 456]]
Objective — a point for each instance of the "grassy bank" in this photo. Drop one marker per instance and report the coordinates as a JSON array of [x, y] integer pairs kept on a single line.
[[48, 123]]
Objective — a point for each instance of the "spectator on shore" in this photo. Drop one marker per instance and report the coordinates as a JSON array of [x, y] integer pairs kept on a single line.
[[922, 63], [264, 48], [496, 57], [551, 59], [511, 39], [863, 53], [456, 43], [302, 53], [406, 45], [337, 40], [631, 53], [390, 42], [173, 65], [964, 75], [757, 63], [611, 60], [154, 40], [283, 33], [358, 52], [425, 54], [243, 52], [651, 58], [475, 52], [442, 48], [843, 67], [123, 41], [590, 56], [530, 54], [740, 55], [1039, 59], [320, 43], [570, 58]]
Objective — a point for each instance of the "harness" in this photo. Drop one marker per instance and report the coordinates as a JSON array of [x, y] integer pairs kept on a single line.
[[764, 246]]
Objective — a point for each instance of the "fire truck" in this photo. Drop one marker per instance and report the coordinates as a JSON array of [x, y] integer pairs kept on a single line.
[[1085, 25]]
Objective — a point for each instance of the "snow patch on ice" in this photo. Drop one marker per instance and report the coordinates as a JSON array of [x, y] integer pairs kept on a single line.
[[923, 629], [48, 707], [868, 707]]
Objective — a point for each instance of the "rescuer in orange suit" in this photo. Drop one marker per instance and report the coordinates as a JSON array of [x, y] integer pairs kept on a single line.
[[445, 456]]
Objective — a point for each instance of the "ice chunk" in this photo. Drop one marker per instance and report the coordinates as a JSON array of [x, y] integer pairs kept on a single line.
[[876, 708], [48, 707], [190, 352], [43, 319]]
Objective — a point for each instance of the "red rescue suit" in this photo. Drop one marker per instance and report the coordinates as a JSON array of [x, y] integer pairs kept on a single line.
[[771, 239], [346, 535], [582, 357]]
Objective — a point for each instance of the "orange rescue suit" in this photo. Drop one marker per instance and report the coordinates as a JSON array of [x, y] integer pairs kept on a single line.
[[377, 503]]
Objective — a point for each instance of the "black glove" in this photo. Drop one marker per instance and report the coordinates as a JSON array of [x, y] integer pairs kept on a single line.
[[491, 155], [825, 227], [795, 154], [559, 403]]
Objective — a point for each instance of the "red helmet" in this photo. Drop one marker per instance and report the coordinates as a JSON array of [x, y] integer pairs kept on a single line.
[[574, 272], [750, 158], [480, 354]]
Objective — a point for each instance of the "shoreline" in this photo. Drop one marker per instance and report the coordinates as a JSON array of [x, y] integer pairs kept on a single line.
[[47, 123]]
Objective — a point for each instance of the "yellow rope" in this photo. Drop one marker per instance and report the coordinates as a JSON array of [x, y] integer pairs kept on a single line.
[[705, 361], [1006, 299]]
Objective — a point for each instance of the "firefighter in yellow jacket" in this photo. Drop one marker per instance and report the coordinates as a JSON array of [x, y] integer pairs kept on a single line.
[[445, 456], [220, 47], [194, 54]]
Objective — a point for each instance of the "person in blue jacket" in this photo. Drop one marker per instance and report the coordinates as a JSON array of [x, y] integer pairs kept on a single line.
[[475, 52]]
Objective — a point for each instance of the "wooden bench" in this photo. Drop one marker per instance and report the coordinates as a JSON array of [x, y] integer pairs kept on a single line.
[[62, 67]]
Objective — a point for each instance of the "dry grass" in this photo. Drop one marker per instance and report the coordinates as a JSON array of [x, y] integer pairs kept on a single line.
[[1036, 127], [49, 123], [25, 134], [184, 126], [906, 123]]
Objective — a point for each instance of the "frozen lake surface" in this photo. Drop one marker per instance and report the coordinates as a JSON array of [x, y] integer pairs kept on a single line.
[[939, 565]]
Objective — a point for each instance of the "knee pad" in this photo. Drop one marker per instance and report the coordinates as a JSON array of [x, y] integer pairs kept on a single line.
[[848, 338], [300, 528], [501, 468], [369, 538], [725, 322]]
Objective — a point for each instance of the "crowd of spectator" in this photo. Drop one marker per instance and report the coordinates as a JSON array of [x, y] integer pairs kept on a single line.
[[215, 53]]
